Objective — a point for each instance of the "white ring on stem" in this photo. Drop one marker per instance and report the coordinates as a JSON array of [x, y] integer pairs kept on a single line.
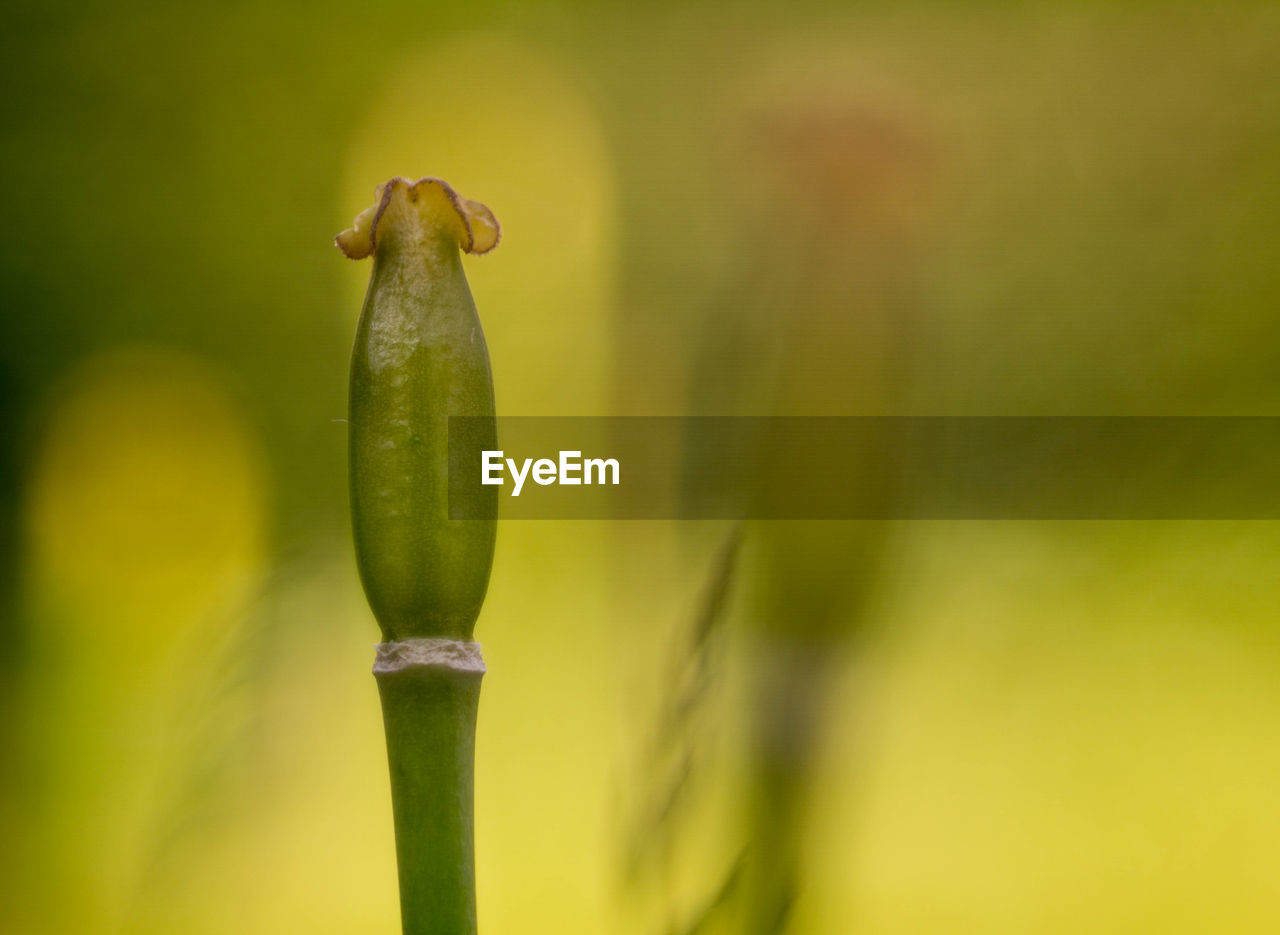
[[456, 655]]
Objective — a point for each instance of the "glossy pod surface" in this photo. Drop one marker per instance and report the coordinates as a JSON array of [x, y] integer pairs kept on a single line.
[[419, 358]]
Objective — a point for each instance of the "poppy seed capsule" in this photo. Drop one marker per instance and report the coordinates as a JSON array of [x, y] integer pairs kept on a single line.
[[419, 358]]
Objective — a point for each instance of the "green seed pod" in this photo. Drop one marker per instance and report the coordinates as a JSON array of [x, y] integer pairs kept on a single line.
[[419, 358]]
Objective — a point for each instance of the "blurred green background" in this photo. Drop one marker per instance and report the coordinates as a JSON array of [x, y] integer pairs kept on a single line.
[[1050, 208]]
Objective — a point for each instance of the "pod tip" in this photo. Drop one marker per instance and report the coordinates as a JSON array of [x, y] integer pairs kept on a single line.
[[427, 203]]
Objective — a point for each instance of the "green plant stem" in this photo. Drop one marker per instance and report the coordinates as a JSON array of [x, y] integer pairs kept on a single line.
[[419, 356], [429, 712]]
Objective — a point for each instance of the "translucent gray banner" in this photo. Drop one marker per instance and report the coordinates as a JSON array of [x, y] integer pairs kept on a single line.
[[867, 468]]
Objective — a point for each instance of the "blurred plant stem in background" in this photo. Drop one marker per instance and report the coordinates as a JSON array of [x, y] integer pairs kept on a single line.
[[835, 297], [816, 322]]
